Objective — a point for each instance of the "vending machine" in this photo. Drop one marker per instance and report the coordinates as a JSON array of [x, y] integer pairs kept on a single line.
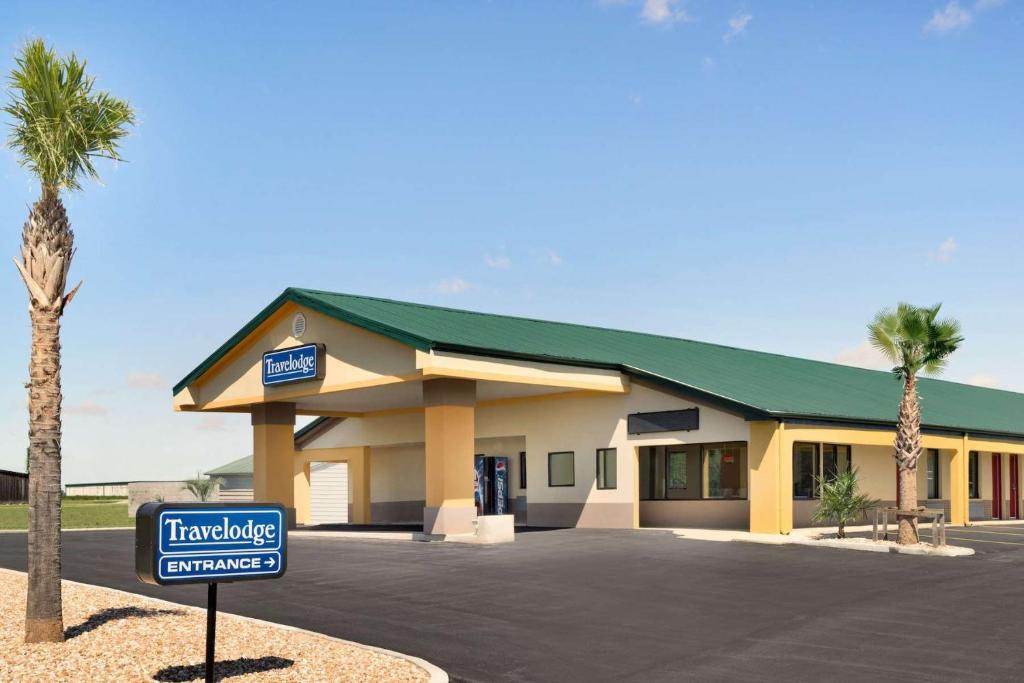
[[490, 485]]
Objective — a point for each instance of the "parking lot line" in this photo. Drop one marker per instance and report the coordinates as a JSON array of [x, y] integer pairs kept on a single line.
[[979, 540]]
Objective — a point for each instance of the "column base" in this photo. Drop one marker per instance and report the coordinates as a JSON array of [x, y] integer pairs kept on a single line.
[[449, 521]]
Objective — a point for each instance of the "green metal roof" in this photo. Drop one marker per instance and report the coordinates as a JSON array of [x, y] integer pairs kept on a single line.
[[240, 466], [755, 383]]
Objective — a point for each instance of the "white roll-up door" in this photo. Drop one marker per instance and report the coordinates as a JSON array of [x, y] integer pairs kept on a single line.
[[328, 483]]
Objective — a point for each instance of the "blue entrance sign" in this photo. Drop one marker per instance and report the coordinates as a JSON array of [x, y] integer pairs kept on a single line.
[[206, 542], [293, 364]]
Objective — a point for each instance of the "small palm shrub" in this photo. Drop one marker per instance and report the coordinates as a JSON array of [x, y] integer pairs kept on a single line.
[[201, 488], [841, 500]]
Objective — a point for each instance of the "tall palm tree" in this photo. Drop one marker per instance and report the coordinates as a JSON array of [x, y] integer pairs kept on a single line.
[[60, 126], [914, 340]]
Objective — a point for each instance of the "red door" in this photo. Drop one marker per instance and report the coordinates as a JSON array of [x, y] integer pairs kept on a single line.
[[898, 497], [997, 486], [1014, 495]]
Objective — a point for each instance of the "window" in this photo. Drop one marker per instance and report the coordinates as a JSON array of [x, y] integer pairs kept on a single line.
[[933, 473], [812, 461], [725, 471], [670, 472], [562, 468], [675, 470], [805, 470], [973, 481], [835, 460], [606, 471]]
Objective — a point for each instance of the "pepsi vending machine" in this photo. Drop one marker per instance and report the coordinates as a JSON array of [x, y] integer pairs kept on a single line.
[[490, 485]]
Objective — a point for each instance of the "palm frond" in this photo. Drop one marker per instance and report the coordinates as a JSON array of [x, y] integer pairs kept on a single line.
[[913, 339], [60, 125]]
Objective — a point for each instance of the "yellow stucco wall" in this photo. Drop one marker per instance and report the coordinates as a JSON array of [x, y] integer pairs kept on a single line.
[[581, 423], [355, 358], [399, 473]]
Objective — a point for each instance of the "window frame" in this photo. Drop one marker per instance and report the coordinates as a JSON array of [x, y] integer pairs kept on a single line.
[[668, 458], [815, 469], [819, 463], [837, 446], [705, 473], [572, 455], [598, 469]]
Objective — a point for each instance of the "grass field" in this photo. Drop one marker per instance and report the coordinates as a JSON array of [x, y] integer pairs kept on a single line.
[[76, 513]]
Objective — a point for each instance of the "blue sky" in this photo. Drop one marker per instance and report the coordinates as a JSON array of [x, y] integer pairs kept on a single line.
[[761, 174]]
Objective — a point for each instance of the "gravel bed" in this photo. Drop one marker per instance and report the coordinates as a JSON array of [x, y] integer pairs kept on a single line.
[[113, 636]]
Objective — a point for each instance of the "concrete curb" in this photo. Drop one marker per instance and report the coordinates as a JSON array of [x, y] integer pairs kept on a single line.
[[803, 537], [356, 535], [928, 551], [436, 673]]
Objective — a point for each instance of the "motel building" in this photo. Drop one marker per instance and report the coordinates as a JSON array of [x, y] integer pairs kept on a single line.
[[453, 419]]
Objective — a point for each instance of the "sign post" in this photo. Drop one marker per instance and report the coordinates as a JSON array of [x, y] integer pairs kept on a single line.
[[183, 543]]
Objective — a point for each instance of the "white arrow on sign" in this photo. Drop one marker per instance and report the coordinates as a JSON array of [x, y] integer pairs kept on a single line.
[[270, 562]]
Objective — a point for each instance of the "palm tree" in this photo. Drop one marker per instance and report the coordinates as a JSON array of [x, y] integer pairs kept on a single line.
[[913, 339], [60, 126], [841, 500], [201, 488]]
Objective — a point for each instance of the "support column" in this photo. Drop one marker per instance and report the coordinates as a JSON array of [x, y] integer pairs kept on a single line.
[[959, 490], [274, 476], [449, 444], [770, 478], [359, 478]]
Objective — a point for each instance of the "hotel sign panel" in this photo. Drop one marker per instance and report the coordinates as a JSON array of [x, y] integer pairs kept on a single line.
[[294, 364], [208, 542]]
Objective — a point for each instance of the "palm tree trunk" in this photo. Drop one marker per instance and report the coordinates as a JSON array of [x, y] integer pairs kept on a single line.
[[44, 621], [46, 251], [908, 451]]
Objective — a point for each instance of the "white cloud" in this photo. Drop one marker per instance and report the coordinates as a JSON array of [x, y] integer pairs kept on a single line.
[[863, 356], [86, 407], [983, 381], [499, 262], [944, 252], [950, 17], [145, 380], [954, 16], [707, 63], [550, 258], [455, 285], [737, 25], [664, 12]]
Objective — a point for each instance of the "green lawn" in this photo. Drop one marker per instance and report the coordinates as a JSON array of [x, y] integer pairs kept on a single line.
[[76, 513]]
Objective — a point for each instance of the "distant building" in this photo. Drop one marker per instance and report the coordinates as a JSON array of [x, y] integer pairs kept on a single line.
[[235, 479], [13, 487], [102, 488]]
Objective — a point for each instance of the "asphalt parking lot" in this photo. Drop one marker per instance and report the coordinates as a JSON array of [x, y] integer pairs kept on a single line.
[[583, 605], [985, 539]]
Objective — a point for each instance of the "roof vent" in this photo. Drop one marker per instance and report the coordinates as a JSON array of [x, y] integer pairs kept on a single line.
[[298, 325]]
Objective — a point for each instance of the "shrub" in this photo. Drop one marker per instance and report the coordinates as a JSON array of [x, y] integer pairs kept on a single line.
[[841, 500]]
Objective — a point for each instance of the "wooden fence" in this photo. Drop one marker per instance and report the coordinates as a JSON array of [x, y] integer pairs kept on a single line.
[[13, 487]]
